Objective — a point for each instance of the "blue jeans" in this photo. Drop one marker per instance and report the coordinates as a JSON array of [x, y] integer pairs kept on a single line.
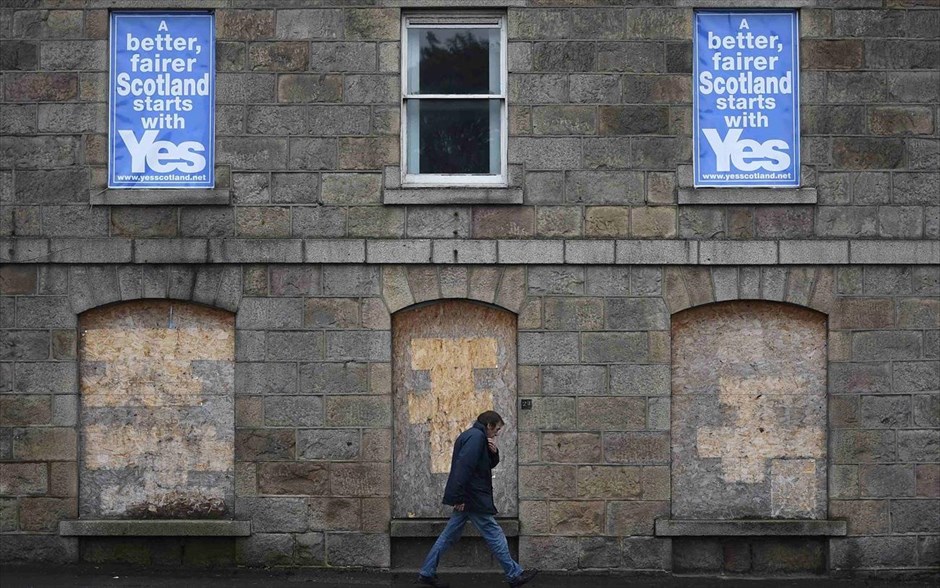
[[492, 534]]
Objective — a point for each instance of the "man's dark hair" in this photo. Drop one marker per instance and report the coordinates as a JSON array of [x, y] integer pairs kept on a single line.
[[490, 418]]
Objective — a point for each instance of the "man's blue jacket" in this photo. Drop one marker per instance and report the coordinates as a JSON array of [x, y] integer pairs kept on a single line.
[[471, 477]]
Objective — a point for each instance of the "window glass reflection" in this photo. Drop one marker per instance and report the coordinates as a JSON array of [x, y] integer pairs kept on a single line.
[[453, 61], [453, 136]]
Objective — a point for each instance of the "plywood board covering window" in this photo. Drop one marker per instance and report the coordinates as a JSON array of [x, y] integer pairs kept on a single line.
[[749, 412], [452, 360], [157, 412]]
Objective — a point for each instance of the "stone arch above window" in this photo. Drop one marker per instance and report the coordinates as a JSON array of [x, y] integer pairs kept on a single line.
[[685, 287], [749, 411], [157, 380], [403, 286], [97, 285]]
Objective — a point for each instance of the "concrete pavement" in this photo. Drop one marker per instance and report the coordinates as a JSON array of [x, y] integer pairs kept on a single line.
[[112, 577]]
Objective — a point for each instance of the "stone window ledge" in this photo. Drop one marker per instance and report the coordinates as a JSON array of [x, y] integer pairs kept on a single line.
[[765, 528], [433, 528], [393, 192], [194, 196], [152, 528]]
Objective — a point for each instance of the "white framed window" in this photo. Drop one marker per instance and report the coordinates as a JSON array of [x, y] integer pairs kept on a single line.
[[453, 109]]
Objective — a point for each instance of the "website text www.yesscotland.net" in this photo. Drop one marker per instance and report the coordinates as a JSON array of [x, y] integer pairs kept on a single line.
[[161, 178], [748, 176]]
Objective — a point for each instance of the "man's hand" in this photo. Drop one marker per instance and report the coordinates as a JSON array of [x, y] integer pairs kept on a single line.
[[459, 507], [491, 443]]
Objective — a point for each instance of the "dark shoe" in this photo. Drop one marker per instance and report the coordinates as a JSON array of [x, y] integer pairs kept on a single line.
[[432, 581], [523, 578]]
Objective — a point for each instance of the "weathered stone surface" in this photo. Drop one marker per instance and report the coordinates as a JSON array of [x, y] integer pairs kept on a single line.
[[327, 444], [18, 410], [358, 411], [636, 314], [914, 516], [45, 378], [266, 378], [278, 56], [571, 447], [918, 313], [554, 481], [853, 378], [558, 221], [537, 348], [360, 479], [614, 347], [605, 187], [245, 25], [576, 517], [265, 549], [855, 446], [334, 378], [631, 518], [309, 479], [875, 552], [607, 221], [24, 479], [312, 153], [573, 314], [296, 411], [599, 552], [309, 88], [574, 380], [559, 553], [612, 414], [886, 345], [334, 514], [24, 345], [38, 86], [886, 480], [609, 482], [863, 313], [358, 549], [879, 412], [503, 222], [923, 446], [637, 448], [653, 222], [38, 548], [920, 376], [647, 553], [264, 444]]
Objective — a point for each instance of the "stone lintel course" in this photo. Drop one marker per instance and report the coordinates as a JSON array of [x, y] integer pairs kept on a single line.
[[470, 251]]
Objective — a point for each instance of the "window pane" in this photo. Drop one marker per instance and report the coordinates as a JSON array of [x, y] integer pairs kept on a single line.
[[453, 61], [453, 136]]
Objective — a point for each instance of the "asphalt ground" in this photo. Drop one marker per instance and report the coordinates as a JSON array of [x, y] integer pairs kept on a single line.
[[108, 577]]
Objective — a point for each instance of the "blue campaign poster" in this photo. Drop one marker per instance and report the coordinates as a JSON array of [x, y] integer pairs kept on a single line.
[[746, 113], [162, 100]]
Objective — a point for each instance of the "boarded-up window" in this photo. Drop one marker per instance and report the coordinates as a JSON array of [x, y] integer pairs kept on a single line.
[[749, 411], [452, 360], [157, 388]]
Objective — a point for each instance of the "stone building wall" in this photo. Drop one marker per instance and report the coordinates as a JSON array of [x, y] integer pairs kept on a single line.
[[606, 246]]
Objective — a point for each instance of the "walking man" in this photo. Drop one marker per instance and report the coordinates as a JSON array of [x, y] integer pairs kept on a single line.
[[469, 490]]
